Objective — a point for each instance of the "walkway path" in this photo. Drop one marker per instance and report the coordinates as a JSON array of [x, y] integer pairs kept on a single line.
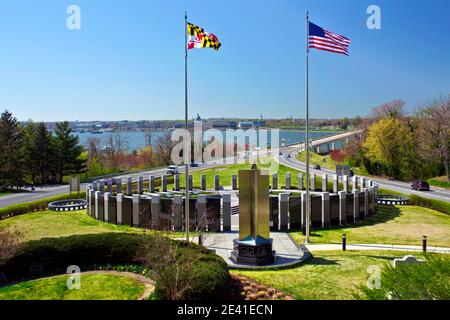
[[379, 247]]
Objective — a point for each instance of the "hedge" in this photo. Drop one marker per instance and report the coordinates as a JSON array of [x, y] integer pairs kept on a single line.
[[39, 205], [52, 256], [438, 205]]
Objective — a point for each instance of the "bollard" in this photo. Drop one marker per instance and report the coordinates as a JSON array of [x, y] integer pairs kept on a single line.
[[424, 243], [200, 240], [344, 242]]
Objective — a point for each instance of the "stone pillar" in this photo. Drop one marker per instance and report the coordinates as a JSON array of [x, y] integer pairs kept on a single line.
[[164, 183], [176, 182], [275, 181], [234, 184], [226, 212], [201, 212], [363, 183], [342, 208], [288, 180], [151, 184], [129, 186], [102, 186], [303, 210], [345, 183], [366, 202], [203, 180], [335, 183], [325, 182], [216, 183], [375, 189], [119, 185], [109, 185], [156, 210], [97, 194], [91, 208], [355, 205], [283, 209], [326, 214], [140, 185], [136, 209], [88, 203], [106, 200], [177, 212], [313, 182], [119, 208], [301, 185], [190, 182], [355, 183]]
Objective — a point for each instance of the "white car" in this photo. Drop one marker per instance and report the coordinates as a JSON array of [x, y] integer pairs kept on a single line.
[[172, 170]]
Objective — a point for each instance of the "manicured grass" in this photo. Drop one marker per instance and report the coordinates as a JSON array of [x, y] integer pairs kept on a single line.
[[327, 163], [441, 182], [226, 172], [391, 225], [93, 287], [52, 224], [328, 275]]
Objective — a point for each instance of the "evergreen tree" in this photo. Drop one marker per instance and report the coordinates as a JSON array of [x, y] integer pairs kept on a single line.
[[44, 155], [11, 160], [68, 152]]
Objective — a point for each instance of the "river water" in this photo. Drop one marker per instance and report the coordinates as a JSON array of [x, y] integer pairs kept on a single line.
[[137, 140]]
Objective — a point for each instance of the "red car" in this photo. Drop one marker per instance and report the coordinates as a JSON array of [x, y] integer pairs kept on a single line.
[[420, 185]]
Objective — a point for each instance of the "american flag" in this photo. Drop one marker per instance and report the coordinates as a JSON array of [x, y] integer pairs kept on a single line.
[[322, 39]]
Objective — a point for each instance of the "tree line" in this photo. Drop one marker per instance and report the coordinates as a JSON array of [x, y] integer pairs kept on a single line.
[[405, 147], [31, 154]]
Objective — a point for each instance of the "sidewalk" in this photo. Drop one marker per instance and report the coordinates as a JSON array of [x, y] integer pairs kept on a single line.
[[379, 247]]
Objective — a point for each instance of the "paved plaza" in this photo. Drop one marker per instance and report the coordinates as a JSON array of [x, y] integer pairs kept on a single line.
[[287, 251]]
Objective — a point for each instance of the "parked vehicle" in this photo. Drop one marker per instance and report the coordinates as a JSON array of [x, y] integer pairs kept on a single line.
[[420, 185], [317, 167], [194, 165], [172, 170]]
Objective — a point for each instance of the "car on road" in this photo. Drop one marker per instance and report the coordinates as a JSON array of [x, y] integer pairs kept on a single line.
[[194, 165], [420, 185], [317, 167], [172, 170]]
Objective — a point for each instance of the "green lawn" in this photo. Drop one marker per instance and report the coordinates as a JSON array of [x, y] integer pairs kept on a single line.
[[391, 225], [441, 182], [52, 224], [327, 163], [227, 171], [93, 287], [329, 275]]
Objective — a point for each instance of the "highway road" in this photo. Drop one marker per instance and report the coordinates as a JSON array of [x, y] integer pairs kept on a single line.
[[288, 159]]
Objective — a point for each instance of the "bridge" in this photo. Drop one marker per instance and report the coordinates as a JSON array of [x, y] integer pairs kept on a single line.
[[325, 144]]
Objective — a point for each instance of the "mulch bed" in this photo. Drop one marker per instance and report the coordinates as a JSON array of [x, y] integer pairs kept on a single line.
[[244, 288]]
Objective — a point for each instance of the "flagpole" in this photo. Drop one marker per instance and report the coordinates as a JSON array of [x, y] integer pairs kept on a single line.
[[186, 144], [308, 200]]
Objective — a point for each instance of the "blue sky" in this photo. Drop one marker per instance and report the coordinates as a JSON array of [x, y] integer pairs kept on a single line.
[[127, 61]]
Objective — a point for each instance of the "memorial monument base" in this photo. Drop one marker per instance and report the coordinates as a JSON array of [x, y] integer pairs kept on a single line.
[[251, 251]]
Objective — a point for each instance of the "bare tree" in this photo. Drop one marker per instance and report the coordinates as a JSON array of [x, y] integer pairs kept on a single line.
[[175, 270], [393, 109], [433, 133], [94, 148], [164, 149]]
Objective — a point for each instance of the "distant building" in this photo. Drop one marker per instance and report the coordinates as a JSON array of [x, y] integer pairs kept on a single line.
[[224, 125]]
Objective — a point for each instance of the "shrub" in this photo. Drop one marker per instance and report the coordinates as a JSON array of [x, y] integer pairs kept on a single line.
[[430, 203], [23, 208], [53, 256], [429, 280]]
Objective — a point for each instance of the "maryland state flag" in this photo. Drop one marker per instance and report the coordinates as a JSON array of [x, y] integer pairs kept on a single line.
[[199, 38]]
